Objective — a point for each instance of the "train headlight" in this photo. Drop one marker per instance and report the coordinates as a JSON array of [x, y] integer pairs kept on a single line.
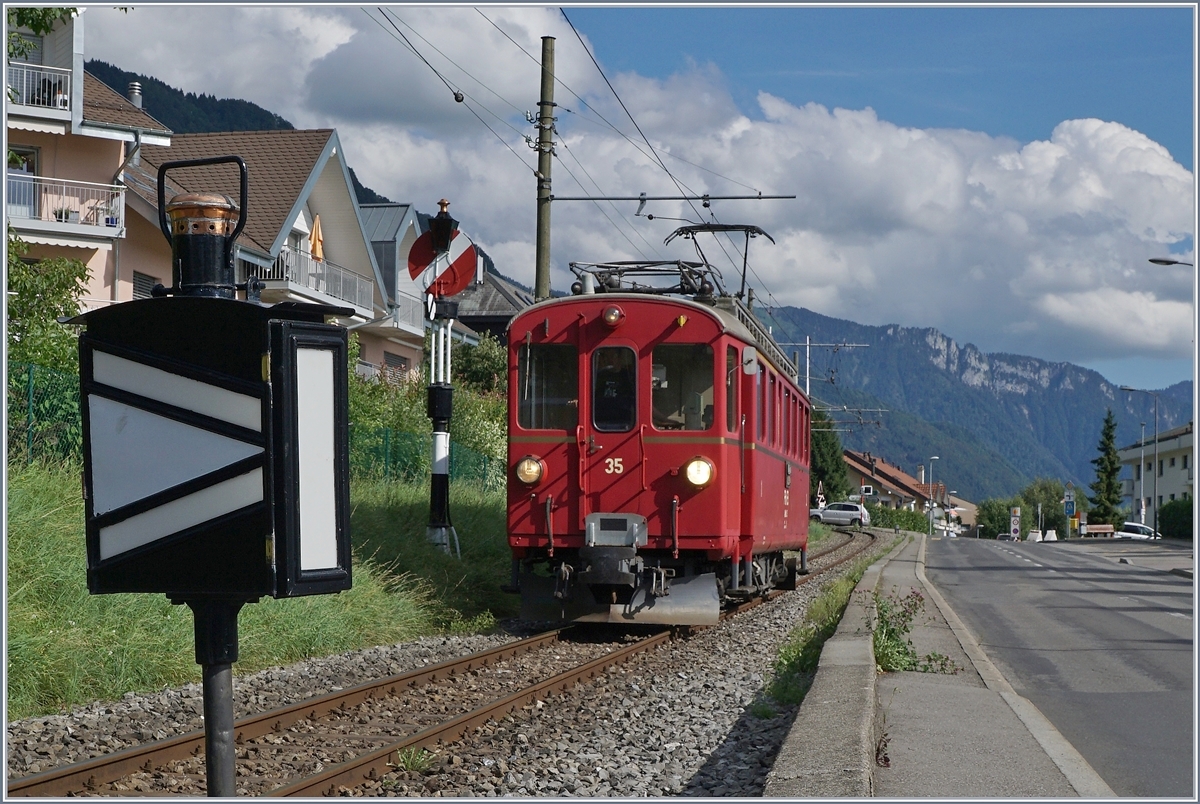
[[613, 315], [530, 470], [699, 472]]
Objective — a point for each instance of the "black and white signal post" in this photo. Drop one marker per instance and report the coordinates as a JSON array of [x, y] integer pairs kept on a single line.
[[450, 260], [216, 463]]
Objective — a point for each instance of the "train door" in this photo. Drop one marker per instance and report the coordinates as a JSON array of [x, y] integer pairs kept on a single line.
[[612, 442], [546, 418]]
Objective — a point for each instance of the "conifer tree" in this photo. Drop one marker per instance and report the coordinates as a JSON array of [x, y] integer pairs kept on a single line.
[[828, 468], [1106, 490]]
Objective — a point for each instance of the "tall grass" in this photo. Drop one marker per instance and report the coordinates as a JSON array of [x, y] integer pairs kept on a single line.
[[389, 527], [66, 647]]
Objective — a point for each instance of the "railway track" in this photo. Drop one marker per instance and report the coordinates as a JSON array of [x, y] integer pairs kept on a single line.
[[347, 737]]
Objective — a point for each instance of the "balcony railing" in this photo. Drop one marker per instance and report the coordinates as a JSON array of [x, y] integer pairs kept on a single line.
[[37, 198], [301, 268], [43, 87]]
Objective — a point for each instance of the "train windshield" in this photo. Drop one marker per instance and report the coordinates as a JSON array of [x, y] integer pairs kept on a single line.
[[548, 391], [614, 389], [682, 386]]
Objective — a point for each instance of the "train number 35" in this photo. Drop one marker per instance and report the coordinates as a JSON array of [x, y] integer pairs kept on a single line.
[[613, 466]]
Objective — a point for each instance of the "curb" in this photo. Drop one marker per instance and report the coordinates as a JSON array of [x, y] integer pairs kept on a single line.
[[820, 758]]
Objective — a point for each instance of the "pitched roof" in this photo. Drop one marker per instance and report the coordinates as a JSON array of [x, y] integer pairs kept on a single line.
[[877, 467], [102, 105], [382, 221], [494, 297], [1164, 435], [278, 166]]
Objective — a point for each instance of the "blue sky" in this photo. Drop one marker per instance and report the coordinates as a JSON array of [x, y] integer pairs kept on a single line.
[[1016, 72], [1000, 174]]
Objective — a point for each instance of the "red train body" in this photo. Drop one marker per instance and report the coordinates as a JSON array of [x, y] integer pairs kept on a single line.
[[658, 458]]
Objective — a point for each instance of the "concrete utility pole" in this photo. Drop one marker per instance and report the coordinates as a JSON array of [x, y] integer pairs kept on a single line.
[[545, 146]]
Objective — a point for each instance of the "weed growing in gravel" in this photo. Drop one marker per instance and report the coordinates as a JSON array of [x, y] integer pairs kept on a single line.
[[762, 710], [797, 662], [414, 760], [893, 649]]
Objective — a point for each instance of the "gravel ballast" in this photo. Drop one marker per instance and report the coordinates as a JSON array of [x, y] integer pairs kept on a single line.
[[689, 719]]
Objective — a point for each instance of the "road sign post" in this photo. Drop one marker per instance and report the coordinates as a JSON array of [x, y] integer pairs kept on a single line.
[[1014, 523], [216, 461]]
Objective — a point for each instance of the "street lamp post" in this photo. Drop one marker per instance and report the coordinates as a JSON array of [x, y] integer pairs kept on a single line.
[[1154, 503], [1163, 261], [932, 458], [1142, 479]]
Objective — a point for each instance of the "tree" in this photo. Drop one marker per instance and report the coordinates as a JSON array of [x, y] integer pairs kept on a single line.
[[1106, 490], [483, 367], [828, 468], [994, 516], [1050, 493], [38, 294], [39, 20]]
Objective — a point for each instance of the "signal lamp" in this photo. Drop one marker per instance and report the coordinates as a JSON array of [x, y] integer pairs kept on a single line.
[[530, 470], [699, 472], [613, 315]]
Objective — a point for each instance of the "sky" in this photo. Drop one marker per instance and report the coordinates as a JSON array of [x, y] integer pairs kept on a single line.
[[1001, 174]]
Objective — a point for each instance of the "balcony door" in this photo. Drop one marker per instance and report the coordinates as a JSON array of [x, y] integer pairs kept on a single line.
[[22, 184]]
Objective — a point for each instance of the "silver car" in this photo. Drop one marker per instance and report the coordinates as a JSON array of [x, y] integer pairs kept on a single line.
[[1136, 530], [842, 513]]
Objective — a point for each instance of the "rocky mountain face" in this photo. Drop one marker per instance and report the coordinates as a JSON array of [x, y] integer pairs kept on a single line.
[[1041, 418]]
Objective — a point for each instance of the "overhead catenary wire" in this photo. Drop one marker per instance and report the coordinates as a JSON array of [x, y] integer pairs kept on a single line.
[[459, 96]]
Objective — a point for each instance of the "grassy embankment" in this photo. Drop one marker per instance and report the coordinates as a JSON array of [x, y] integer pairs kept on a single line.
[[66, 647]]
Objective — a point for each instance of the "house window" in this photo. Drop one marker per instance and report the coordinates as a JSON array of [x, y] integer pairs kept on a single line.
[[1185, 461], [1172, 496], [143, 284], [1138, 474], [395, 367], [1172, 462], [1160, 467]]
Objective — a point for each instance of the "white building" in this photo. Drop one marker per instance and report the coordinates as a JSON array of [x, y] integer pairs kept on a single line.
[[1174, 472]]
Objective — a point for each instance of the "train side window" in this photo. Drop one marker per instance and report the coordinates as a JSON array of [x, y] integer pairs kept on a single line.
[[787, 421], [614, 389], [547, 386], [732, 364], [681, 386], [773, 412], [760, 380]]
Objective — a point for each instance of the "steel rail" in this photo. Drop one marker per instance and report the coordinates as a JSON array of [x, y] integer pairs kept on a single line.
[[92, 773], [379, 762]]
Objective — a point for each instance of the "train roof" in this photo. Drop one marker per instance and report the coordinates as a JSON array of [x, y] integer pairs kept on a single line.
[[733, 315]]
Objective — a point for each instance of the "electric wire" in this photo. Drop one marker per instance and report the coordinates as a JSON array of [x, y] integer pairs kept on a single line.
[[588, 106], [404, 40]]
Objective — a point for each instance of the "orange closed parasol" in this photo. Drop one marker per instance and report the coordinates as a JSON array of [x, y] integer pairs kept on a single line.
[[315, 242]]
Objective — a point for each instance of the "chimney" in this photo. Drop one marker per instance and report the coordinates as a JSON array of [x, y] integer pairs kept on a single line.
[[135, 93], [921, 473]]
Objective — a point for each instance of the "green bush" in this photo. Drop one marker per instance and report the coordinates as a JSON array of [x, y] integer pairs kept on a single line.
[[891, 517], [1175, 519]]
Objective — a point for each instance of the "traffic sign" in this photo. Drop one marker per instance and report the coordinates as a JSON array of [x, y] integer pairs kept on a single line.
[[460, 260], [1070, 506], [1014, 522], [1069, 496]]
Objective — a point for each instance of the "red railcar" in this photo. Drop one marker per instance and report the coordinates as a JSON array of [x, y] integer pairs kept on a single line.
[[658, 452]]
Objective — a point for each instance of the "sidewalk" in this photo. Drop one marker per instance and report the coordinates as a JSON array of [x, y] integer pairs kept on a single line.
[[964, 735]]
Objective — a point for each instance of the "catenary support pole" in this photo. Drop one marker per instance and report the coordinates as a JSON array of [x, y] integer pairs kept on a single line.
[[545, 146]]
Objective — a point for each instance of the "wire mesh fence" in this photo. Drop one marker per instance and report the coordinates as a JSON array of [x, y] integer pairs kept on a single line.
[[43, 414], [44, 424]]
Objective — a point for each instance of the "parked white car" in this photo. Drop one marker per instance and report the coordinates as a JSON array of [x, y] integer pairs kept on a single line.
[[1136, 530], [841, 513]]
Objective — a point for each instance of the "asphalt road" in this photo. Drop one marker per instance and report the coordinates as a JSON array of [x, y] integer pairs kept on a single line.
[[1104, 650]]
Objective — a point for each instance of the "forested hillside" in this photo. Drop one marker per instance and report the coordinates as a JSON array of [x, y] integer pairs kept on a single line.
[[189, 113], [1042, 417]]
